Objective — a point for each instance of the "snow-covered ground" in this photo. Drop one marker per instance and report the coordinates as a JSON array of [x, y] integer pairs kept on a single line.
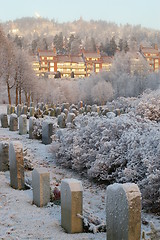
[[20, 219]]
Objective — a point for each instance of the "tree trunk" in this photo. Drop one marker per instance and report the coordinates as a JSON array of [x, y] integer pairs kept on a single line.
[[16, 95], [20, 96], [9, 95]]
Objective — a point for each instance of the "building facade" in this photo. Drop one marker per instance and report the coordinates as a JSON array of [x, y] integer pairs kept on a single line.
[[152, 56], [48, 63]]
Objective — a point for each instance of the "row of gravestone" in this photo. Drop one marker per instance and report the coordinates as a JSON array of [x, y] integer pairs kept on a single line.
[[14, 125], [123, 201], [55, 110]]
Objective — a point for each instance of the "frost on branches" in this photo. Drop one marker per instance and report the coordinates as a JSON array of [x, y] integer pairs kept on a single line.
[[121, 149]]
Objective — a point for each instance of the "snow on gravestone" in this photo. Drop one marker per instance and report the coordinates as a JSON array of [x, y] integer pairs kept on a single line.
[[47, 131], [23, 124], [4, 156], [4, 120], [123, 212], [13, 125], [71, 205], [16, 164], [32, 120], [41, 186]]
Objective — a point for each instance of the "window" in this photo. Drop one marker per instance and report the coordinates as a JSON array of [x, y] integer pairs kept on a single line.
[[49, 58], [51, 69]]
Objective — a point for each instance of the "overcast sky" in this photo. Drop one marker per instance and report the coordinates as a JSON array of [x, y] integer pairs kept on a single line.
[[144, 12]]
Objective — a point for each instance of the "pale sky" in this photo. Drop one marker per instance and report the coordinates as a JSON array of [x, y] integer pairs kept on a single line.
[[144, 12]]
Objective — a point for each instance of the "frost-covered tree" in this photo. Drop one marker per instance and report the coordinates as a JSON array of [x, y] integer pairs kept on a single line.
[[25, 78], [7, 58], [128, 74]]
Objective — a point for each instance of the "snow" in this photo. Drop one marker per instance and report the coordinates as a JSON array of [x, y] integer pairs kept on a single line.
[[20, 219]]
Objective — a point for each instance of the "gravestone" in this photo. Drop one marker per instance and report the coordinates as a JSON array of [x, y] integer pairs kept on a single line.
[[13, 125], [70, 117], [64, 106], [4, 120], [4, 156], [61, 120], [19, 109], [73, 110], [71, 205], [31, 104], [31, 111], [94, 108], [65, 111], [31, 127], [16, 164], [81, 110], [58, 111], [47, 131], [88, 108], [8, 109], [123, 212], [41, 186], [23, 124], [24, 110], [53, 112], [12, 109]]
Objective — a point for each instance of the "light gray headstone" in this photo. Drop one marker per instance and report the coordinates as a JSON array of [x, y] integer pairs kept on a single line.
[[88, 108], [71, 205], [8, 109], [16, 164], [31, 126], [13, 125], [123, 212], [4, 120], [47, 131], [70, 117], [66, 111], [19, 109], [23, 124], [61, 120], [4, 156], [41, 186]]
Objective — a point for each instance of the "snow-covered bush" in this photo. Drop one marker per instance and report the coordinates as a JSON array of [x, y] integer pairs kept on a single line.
[[37, 126], [149, 106], [122, 149]]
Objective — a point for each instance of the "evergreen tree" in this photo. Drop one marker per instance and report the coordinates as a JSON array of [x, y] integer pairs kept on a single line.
[[120, 44], [126, 47]]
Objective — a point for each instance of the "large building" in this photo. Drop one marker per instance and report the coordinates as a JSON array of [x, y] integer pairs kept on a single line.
[[48, 63], [152, 56]]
